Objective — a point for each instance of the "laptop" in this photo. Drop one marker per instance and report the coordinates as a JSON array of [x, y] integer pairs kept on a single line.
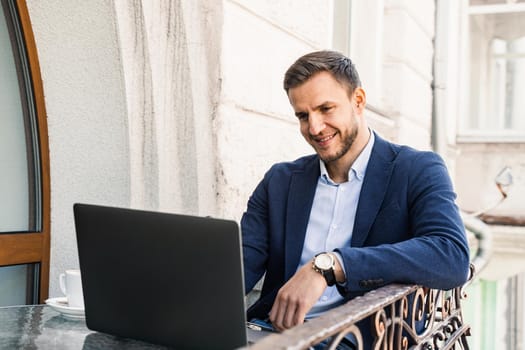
[[169, 279]]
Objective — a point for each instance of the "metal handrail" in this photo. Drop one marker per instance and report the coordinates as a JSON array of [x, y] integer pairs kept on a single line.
[[394, 312]]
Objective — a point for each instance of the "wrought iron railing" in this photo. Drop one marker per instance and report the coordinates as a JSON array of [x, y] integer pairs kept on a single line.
[[400, 316], [394, 312]]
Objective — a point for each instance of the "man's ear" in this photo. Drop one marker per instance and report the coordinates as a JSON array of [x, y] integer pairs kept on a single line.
[[359, 98]]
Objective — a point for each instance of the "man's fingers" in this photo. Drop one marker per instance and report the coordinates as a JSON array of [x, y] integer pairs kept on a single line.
[[296, 298], [289, 316], [287, 312], [300, 313], [282, 311], [277, 313]]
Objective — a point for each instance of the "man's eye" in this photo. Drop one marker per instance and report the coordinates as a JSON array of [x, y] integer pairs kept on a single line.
[[302, 116], [325, 109]]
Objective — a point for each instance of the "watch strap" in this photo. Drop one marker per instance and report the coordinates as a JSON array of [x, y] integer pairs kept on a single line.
[[329, 276]]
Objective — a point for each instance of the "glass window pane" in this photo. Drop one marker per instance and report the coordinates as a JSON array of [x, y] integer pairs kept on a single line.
[[494, 2], [514, 103], [497, 72], [16, 287], [341, 29], [17, 162]]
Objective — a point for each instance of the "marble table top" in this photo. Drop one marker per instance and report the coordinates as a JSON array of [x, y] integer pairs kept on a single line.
[[41, 327]]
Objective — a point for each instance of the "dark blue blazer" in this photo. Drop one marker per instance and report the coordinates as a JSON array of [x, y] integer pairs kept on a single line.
[[407, 227]]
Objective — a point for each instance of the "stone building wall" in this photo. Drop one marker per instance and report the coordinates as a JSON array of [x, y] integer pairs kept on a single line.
[[178, 105]]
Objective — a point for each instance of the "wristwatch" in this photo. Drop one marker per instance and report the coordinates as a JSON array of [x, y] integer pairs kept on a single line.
[[324, 264]]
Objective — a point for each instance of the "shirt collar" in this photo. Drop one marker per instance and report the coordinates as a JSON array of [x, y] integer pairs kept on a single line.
[[358, 167]]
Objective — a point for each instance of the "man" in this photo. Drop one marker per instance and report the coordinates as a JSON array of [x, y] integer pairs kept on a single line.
[[359, 214]]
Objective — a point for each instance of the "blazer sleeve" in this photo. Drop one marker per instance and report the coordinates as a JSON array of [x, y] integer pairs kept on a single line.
[[254, 226], [433, 251]]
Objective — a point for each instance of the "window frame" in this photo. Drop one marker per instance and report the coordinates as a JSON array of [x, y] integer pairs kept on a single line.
[[33, 247], [366, 51], [466, 134]]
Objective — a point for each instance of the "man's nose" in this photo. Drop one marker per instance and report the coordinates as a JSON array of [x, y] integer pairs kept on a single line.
[[316, 123]]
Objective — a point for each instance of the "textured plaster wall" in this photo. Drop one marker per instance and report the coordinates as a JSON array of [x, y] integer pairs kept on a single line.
[[477, 167], [255, 124], [178, 106], [131, 90], [170, 61], [86, 115]]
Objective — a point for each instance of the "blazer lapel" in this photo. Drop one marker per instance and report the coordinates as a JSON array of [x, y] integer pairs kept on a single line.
[[301, 195], [374, 188]]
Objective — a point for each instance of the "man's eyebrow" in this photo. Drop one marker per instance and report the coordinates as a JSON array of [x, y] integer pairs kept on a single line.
[[324, 104], [319, 106], [300, 113]]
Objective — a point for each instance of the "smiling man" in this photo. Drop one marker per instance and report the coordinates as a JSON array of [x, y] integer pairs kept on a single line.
[[358, 214]]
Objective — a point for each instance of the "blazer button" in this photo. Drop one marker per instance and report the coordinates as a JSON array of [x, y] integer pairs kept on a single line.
[[363, 284]]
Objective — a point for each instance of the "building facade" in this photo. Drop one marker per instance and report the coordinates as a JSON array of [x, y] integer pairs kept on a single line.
[[178, 106]]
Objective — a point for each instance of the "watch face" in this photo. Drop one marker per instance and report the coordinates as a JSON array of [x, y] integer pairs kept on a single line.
[[324, 261]]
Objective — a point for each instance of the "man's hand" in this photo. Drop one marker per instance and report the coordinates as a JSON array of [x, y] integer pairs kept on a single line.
[[297, 297]]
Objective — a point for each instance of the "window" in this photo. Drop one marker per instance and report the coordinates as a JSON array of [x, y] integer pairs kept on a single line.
[[496, 64], [363, 46], [24, 164]]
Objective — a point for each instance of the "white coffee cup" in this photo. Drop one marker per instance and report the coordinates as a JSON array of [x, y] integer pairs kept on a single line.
[[71, 286]]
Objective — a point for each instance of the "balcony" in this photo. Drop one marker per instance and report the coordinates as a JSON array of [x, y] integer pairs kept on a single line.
[[400, 316]]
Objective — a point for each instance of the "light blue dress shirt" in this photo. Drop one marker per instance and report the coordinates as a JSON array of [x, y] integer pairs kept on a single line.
[[332, 219]]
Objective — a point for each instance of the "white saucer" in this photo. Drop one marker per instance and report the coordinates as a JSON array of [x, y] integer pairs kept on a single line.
[[60, 304]]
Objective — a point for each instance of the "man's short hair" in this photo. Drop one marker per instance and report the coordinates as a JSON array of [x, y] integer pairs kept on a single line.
[[337, 64]]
